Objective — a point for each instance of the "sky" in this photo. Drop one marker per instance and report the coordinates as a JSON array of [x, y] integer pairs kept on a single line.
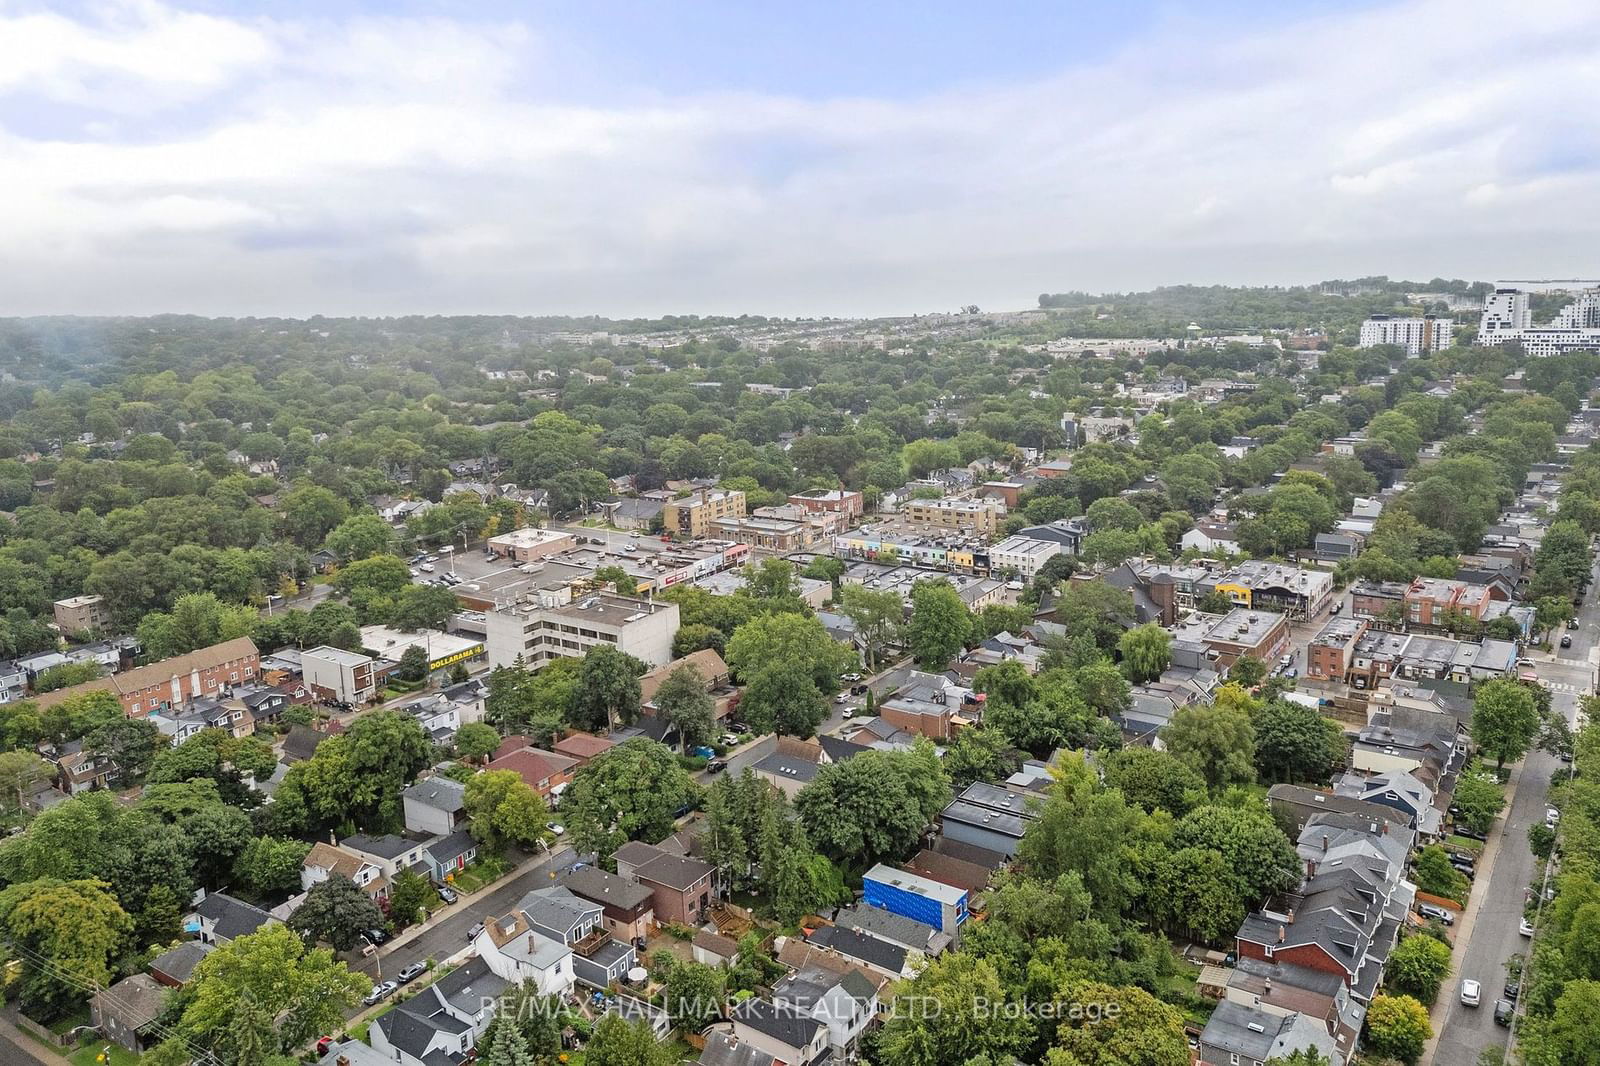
[[356, 157]]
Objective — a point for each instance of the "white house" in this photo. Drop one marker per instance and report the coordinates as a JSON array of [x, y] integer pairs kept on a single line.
[[516, 953], [1207, 536]]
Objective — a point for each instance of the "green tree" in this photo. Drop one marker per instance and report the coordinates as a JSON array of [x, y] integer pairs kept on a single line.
[[874, 805], [1397, 1026], [1435, 876], [409, 892], [268, 987], [413, 665], [629, 792], [1505, 720], [607, 692], [505, 1047], [619, 1042], [65, 676], [878, 615], [693, 994], [20, 771], [1140, 1028], [939, 624], [336, 912], [360, 536], [1417, 967], [476, 741], [130, 745], [1216, 740], [502, 809], [1248, 671], [1250, 842], [1155, 780], [1146, 652], [309, 513], [1295, 743], [1479, 798], [978, 754], [943, 1020], [268, 866], [784, 700], [1197, 892], [1571, 1033], [68, 933], [788, 640], [683, 703]]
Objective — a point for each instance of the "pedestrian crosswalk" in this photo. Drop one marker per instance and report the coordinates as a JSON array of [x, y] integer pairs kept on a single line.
[[1562, 686]]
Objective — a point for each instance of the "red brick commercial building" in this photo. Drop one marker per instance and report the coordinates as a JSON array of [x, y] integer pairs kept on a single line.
[[840, 501]]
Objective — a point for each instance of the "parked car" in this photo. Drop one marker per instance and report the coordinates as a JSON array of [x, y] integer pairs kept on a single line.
[[850, 677], [1469, 832], [556, 827], [426, 568], [1503, 1010], [843, 697], [380, 992], [377, 936], [1566, 642], [1471, 993], [848, 713], [1572, 623], [1436, 913], [1513, 990], [1526, 928], [729, 739], [472, 934], [1285, 661], [448, 894], [716, 766], [411, 973]]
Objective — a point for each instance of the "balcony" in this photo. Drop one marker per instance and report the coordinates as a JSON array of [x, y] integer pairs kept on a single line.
[[591, 942]]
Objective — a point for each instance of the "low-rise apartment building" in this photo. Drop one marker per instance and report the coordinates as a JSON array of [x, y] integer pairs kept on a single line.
[[1260, 634], [980, 515], [555, 626], [839, 501], [696, 515], [1293, 590], [336, 675], [83, 614], [204, 672]]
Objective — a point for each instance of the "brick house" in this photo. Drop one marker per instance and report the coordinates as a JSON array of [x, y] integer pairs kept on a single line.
[[682, 887], [543, 771]]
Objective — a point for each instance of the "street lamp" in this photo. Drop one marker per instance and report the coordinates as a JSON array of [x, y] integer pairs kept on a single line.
[[376, 958]]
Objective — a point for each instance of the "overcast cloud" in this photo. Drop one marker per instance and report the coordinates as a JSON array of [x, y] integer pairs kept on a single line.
[[156, 159]]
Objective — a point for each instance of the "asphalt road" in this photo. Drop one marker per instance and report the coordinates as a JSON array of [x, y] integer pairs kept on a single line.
[[450, 935], [1466, 1031]]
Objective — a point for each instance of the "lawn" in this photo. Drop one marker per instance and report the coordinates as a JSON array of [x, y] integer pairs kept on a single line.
[[89, 1056]]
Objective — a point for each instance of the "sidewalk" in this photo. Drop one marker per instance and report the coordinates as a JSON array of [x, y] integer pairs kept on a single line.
[[462, 905], [1439, 1012]]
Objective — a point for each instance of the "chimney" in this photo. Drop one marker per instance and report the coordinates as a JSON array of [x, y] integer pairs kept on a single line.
[[1266, 986], [1385, 830], [1324, 841], [342, 1060], [1281, 934]]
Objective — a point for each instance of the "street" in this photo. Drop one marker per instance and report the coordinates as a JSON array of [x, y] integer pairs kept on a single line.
[[450, 935], [1466, 1031]]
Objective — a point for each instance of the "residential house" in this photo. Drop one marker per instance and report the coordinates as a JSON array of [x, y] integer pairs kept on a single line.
[[221, 918], [931, 705], [127, 1012], [79, 769], [388, 852], [441, 1024], [790, 1037], [628, 908], [174, 967], [558, 914], [895, 928], [1237, 1035], [338, 676], [845, 1003], [436, 805], [1295, 805], [173, 682], [582, 747], [516, 953], [787, 769], [958, 873], [880, 957], [326, 860], [1211, 536], [933, 903], [1331, 652], [447, 856], [714, 949], [725, 1049], [682, 888], [1398, 790], [543, 771], [711, 667]]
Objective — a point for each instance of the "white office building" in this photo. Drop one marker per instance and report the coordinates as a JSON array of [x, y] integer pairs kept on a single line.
[[1417, 336], [1023, 554], [1508, 317], [552, 625]]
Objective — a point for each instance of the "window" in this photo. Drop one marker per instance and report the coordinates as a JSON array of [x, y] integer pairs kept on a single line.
[[1233, 1060]]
